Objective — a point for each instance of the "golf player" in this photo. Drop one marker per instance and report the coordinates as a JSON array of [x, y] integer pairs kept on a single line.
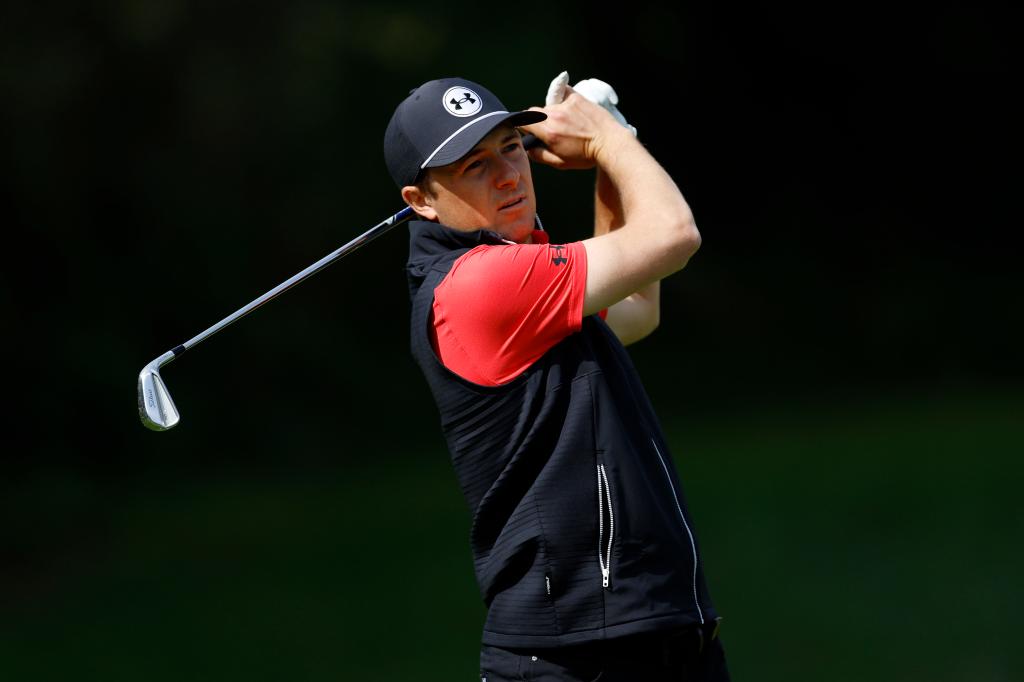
[[584, 549]]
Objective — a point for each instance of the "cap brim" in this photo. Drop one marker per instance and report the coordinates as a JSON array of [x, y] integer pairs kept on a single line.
[[463, 142]]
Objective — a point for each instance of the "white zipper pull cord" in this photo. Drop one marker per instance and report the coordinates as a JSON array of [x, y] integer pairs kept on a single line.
[[604, 557]]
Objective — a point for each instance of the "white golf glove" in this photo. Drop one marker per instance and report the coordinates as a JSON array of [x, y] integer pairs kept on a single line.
[[597, 91]]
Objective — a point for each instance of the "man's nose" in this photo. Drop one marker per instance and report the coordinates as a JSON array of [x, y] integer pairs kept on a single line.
[[508, 174]]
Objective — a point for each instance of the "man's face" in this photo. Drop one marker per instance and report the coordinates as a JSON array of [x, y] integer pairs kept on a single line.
[[490, 187]]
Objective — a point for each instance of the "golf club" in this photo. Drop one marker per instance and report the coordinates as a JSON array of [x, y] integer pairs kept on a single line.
[[156, 409]]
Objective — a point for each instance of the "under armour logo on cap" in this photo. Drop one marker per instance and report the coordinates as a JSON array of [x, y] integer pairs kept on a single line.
[[461, 101]]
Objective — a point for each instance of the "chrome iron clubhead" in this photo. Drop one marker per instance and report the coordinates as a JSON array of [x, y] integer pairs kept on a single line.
[[156, 409]]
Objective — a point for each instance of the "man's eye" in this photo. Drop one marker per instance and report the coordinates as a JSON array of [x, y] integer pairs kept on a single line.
[[512, 147], [472, 165]]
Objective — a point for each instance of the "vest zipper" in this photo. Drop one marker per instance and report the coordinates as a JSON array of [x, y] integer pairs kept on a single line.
[[679, 508], [604, 556]]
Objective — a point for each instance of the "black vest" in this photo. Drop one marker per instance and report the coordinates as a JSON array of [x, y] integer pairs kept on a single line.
[[580, 529]]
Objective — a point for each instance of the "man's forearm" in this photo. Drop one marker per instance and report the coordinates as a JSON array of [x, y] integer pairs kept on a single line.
[[637, 315], [607, 205], [640, 193]]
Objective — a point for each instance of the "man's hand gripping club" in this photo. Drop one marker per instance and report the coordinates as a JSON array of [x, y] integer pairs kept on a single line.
[[577, 131]]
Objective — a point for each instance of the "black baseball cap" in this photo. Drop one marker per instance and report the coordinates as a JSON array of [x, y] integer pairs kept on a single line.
[[440, 122]]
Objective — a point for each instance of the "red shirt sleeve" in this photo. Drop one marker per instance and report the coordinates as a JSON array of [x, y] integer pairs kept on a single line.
[[501, 307]]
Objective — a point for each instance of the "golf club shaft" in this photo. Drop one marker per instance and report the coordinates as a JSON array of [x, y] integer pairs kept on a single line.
[[363, 239]]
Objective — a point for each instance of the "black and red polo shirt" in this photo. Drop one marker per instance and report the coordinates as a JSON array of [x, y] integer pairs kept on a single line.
[[580, 527]]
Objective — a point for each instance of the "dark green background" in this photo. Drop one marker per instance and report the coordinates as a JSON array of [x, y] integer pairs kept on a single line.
[[838, 368]]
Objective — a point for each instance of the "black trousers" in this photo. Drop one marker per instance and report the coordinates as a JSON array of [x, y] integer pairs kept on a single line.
[[691, 655]]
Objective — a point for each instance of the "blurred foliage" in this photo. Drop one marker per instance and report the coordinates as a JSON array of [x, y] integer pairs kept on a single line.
[[872, 541]]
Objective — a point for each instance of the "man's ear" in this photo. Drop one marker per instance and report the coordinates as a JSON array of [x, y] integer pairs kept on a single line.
[[419, 201]]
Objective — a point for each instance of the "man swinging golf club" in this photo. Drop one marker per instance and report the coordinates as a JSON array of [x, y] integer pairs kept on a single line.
[[584, 550]]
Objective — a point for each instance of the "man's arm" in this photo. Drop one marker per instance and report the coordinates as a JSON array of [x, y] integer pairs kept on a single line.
[[658, 234], [637, 315]]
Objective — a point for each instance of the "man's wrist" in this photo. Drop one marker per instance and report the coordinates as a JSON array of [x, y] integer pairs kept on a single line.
[[611, 144]]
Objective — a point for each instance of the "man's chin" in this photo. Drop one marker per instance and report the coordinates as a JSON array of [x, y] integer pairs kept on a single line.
[[517, 230], [520, 234]]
